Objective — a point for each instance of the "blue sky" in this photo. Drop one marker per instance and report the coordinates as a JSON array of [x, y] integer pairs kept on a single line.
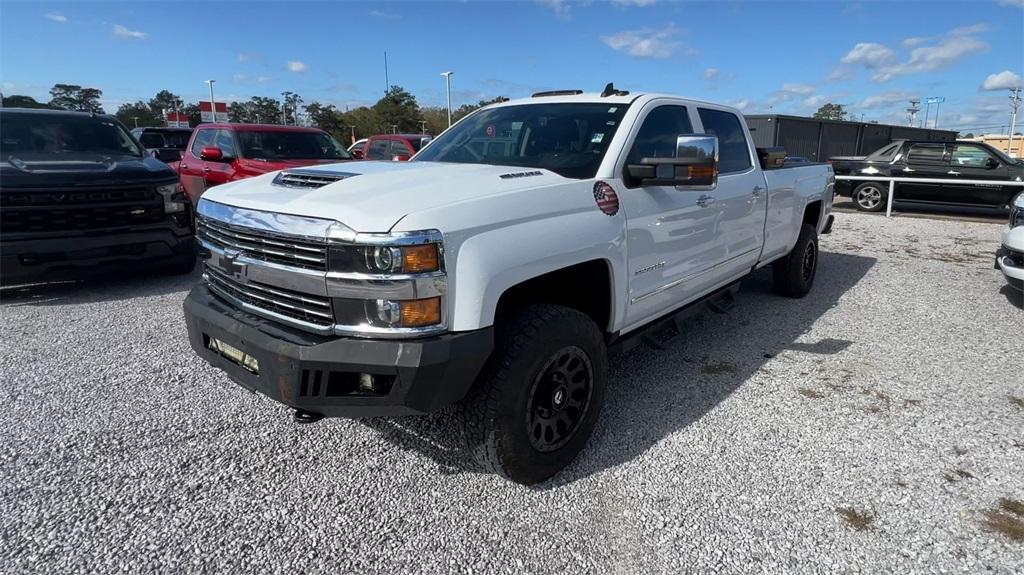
[[787, 57]]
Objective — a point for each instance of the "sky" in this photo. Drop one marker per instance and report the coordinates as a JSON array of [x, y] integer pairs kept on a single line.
[[760, 56]]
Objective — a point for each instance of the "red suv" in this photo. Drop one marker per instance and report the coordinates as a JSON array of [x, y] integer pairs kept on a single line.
[[219, 153], [399, 147]]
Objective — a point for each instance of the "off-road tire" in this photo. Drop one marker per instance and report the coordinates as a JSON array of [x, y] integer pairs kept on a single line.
[[497, 413], [793, 275], [870, 197]]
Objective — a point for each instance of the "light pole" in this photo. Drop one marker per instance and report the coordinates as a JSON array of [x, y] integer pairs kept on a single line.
[[1014, 106], [213, 103], [353, 128], [448, 91], [136, 118], [423, 126]]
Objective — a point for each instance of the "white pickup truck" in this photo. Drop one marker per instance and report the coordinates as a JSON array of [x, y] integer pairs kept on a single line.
[[499, 266]]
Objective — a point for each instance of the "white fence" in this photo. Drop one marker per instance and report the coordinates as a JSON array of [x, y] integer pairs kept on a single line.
[[893, 180]]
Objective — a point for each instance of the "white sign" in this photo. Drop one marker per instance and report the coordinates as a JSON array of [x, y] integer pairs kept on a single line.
[[208, 117]]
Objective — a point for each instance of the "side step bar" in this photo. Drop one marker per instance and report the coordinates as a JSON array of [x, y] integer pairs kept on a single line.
[[661, 332]]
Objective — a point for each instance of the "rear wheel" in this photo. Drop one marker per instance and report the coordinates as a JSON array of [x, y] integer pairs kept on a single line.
[[793, 275], [537, 400], [870, 197]]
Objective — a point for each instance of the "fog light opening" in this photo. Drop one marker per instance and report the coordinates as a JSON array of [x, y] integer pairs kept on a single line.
[[367, 383]]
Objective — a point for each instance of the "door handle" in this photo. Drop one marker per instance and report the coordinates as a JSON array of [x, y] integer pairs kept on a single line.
[[206, 169], [703, 200], [757, 191], [185, 166], [953, 173]]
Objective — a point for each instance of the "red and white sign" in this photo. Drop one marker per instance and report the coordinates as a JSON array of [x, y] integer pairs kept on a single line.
[[206, 116], [176, 120]]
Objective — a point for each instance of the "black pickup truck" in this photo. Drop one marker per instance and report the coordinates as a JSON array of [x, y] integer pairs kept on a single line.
[[949, 161], [78, 195]]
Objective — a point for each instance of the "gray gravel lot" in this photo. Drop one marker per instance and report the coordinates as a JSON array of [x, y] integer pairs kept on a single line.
[[753, 444]]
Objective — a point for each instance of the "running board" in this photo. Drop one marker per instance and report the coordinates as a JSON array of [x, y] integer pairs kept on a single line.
[[659, 333]]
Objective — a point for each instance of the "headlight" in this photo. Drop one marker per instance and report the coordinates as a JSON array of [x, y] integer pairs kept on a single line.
[[389, 313], [174, 200], [1017, 211]]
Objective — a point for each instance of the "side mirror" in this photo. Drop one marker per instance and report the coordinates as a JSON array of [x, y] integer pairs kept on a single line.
[[992, 163], [695, 165], [212, 154], [400, 158]]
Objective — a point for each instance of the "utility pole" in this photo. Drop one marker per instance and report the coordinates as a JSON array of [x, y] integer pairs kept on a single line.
[[387, 82], [136, 118], [423, 126], [915, 107], [213, 103], [1014, 106], [448, 91]]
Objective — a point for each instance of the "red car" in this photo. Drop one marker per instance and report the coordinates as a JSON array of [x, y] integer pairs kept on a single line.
[[219, 153], [399, 147]]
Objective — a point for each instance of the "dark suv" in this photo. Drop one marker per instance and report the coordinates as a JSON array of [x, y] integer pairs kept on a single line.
[[78, 195]]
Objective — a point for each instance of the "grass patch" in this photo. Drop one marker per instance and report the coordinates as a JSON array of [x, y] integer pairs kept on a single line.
[[1007, 519], [811, 393], [859, 520]]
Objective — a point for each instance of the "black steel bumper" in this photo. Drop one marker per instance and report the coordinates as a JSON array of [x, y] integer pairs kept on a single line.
[[75, 255], [320, 375]]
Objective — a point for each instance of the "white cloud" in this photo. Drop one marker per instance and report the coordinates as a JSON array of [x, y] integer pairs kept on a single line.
[[243, 57], [297, 66], [57, 17], [711, 73], [814, 101], [1017, 3], [927, 58], [122, 32], [385, 15], [561, 8], [741, 104], [914, 41], [263, 79], [886, 99], [839, 74], [645, 43], [1004, 80], [640, 3], [969, 30], [869, 55], [798, 88]]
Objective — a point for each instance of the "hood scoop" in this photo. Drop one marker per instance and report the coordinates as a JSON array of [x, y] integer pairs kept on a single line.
[[309, 179], [103, 164]]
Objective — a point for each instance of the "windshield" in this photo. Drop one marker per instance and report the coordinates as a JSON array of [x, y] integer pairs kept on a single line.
[[568, 139], [51, 135], [281, 145]]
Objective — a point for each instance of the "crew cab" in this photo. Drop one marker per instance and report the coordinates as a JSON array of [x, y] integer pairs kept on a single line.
[[498, 277], [946, 161], [399, 147], [79, 197], [219, 153]]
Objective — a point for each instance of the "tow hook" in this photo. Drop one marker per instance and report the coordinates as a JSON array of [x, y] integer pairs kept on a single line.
[[304, 417]]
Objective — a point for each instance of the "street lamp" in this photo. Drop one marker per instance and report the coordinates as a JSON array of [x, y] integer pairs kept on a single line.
[[213, 105], [423, 126], [448, 90], [136, 118]]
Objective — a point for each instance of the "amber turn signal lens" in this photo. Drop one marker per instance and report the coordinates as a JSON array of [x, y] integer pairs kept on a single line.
[[418, 259], [421, 312], [702, 172]]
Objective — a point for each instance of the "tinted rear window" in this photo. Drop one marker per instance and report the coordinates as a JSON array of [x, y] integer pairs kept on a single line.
[[281, 145]]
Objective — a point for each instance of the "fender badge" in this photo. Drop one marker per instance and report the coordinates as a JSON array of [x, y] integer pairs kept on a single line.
[[606, 198]]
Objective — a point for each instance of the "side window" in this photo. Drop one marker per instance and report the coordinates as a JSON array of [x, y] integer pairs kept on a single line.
[[226, 142], [970, 156], [733, 152], [378, 150], [928, 154], [204, 139], [657, 135]]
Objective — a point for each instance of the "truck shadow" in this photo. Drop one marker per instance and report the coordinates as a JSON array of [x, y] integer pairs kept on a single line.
[[119, 284], [654, 393]]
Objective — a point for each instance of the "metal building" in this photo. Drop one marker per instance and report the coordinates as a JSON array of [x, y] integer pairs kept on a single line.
[[819, 140]]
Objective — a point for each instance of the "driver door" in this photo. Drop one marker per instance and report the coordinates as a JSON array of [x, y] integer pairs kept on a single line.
[[671, 232]]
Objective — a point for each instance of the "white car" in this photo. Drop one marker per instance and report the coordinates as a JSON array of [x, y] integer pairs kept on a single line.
[[498, 266], [1010, 257]]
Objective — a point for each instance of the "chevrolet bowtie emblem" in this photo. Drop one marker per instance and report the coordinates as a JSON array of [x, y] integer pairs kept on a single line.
[[230, 264]]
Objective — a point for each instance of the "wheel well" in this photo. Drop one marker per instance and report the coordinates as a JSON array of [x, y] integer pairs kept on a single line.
[[585, 287], [812, 214]]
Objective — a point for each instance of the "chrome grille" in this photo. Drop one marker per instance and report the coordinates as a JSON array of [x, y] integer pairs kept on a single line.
[[308, 179], [306, 308], [261, 245]]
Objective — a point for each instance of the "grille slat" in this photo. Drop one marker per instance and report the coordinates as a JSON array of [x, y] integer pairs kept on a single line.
[[54, 210], [257, 244], [303, 307]]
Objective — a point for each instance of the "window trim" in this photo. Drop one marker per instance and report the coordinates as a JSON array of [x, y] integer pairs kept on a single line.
[[752, 161]]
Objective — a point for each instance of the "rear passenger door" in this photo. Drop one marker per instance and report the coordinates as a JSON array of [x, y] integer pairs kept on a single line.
[[924, 161], [740, 195]]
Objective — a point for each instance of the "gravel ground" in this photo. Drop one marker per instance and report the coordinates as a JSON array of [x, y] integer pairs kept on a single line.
[[866, 428]]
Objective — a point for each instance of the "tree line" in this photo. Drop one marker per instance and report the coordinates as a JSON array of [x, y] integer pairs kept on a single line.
[[396, 112]]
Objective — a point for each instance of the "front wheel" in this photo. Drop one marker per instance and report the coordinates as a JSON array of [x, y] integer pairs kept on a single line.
[[539, 396], [870, 197], [793, 275]]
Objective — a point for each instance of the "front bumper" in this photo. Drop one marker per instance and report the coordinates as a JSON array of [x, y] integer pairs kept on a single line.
[[75, 255], [1011, 263], [318, 374]]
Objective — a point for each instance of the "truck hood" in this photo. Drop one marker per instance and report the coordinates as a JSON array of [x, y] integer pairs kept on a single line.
[[80, 169], [373, 196]]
